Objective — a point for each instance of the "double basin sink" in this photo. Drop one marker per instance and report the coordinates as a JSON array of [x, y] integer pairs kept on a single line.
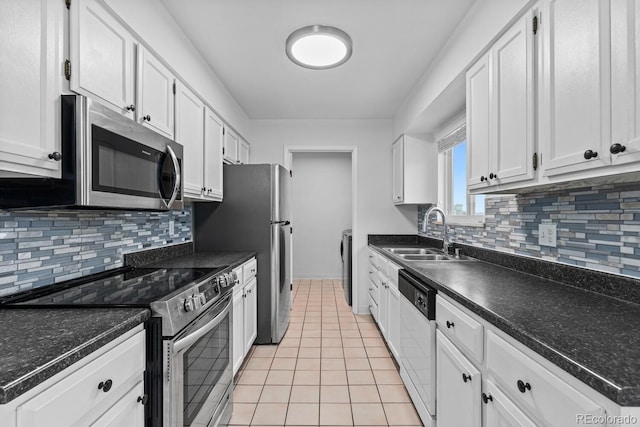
[[425, 254]]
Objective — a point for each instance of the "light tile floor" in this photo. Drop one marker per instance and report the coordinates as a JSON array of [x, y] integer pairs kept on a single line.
[[332, 368]]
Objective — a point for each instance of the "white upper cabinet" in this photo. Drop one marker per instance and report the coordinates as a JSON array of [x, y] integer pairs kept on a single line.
[[32, 74], [243, 151], [415, 171], [575, 114], [230, 146], [102, 57], [500, 110], [478, 108], [190, 133], [625, 82], [213, 141], [155, 94]]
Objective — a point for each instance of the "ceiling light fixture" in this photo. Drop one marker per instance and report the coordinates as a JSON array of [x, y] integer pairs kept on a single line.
[[319, 47]]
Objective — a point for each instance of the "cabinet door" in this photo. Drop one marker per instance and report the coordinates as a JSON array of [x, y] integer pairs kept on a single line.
[[230, 146], [398, 170], [128, 411], [102, 56], [512, 105], [625, 81], [502, 412], [393, 337], [250, 314], [383, 306], [244, 149], [238, 329], [457, 387], [478, 128], [576, 97], [213, 140], [190, 133], [32, 34], [155, 98]]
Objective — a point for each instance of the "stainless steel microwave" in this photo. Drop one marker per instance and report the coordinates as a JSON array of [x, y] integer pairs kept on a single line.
[[108, 162]]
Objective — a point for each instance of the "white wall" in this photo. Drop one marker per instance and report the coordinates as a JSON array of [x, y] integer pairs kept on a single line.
[[482, 24], [320, 209], [375, 210], [153, 24]]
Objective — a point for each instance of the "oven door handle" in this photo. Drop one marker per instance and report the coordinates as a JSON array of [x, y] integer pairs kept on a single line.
[[187, 341], [176, 186]]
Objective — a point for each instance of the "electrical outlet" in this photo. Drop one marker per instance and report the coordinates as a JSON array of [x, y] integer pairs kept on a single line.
[[547, 235], [171, 227]]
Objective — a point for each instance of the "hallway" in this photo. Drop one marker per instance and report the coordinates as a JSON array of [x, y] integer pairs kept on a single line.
[[331, 369]]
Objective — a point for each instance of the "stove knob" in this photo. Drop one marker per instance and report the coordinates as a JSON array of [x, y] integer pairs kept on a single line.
[[197, 303], [203, 299], [419, 299], [188, 304]]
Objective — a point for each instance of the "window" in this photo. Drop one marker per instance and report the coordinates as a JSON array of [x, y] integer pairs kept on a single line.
[[460, 206]]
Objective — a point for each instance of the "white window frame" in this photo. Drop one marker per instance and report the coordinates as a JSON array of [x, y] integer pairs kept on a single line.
[[445, 179]]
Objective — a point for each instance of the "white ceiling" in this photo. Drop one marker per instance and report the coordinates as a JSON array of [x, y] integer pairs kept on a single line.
[[393, 44]]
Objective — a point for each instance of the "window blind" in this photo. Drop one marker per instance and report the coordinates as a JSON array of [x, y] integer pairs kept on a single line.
[[456, 136]]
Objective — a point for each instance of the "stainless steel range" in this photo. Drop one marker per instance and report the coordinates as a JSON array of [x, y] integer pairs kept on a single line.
[[189, 378]]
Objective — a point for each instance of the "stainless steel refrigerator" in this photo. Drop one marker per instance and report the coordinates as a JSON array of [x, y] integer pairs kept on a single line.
[[254, 216]]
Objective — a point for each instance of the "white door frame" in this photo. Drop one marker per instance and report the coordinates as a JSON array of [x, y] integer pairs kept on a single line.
[[288, 161]]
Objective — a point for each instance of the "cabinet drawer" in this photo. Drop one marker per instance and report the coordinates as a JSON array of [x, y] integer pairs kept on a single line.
[[374, 289], [77, 397], [461, 328], [393, 274], [373, 258], [533, 387], [383, 265], [249, 270], [373, 308], [238, 271]]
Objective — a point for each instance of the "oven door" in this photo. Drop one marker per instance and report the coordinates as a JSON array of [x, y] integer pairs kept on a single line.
[[198, 377]]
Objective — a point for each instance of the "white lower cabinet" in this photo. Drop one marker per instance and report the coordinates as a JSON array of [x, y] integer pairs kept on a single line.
[[250, 313], [245, 312], [105, 388], [500, 411], [126, 412], [533, 387], [458, 387]]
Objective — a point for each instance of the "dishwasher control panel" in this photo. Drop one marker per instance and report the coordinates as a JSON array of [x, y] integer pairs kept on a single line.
[[420, 294]]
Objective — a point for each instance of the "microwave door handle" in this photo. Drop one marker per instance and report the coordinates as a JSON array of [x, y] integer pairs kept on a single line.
[[176, 186], [187, 341]]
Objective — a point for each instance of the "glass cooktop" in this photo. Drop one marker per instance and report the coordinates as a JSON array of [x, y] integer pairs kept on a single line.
[[129, 287]]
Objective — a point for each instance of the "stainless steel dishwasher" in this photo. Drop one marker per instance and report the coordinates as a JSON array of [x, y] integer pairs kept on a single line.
[[418, 344]]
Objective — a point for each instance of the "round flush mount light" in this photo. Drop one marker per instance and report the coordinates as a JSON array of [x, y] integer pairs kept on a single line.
[[319, 47]]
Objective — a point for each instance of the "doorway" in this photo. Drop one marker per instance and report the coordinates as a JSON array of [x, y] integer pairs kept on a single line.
[[349, 180], [321, 208]]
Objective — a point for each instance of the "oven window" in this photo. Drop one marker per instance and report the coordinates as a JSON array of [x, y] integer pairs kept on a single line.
[[122, 166], [204, 363]]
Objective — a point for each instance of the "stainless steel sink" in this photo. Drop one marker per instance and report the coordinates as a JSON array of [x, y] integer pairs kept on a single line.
[[412, 251], [425, 254], [426, 257]]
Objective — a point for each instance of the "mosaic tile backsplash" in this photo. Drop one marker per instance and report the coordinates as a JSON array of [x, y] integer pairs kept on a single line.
[[40, 248], [597, 227]]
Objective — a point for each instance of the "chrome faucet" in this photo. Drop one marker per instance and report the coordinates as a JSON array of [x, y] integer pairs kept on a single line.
[[425, 226]]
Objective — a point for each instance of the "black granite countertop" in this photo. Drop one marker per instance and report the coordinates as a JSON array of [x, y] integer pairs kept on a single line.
[[594, 337], [36, 344], [205, 260]]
